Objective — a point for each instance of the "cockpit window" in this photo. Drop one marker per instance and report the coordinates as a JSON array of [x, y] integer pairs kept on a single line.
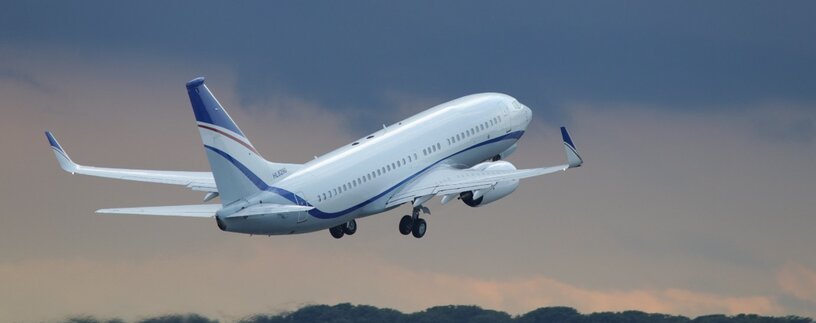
[[516, 105]]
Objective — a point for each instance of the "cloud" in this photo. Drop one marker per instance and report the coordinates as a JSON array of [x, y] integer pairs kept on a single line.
[[798, 281], [674, 211], [518, 295], [347, 56], [271, 278]]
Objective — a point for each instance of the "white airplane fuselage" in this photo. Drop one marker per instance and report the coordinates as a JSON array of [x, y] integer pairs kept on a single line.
[[357, 180]]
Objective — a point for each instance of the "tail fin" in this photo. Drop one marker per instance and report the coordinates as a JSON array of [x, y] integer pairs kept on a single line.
[[238, 168]]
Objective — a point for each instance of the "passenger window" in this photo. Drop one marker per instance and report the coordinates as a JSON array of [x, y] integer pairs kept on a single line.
[[438, 146], [403, 161]]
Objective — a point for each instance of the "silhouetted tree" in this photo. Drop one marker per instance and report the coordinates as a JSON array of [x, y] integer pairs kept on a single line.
[[90, 319], [551, 315], [457, 314], [178, 318]]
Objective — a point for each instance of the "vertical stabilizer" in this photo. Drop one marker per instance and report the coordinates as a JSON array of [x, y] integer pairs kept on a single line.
[[238, 169]]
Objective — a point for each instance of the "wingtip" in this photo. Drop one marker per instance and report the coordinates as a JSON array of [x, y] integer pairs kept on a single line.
[[573, 158], [53, 141], [566, 137], [65, 162]]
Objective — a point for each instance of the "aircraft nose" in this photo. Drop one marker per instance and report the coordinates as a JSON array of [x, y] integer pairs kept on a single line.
[[528, 114]]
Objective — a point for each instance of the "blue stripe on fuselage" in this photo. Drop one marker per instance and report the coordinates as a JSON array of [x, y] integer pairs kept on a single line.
[[328, 215], [248, 173]]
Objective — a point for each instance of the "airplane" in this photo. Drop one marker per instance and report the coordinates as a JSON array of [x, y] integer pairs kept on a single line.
[[455, 150]]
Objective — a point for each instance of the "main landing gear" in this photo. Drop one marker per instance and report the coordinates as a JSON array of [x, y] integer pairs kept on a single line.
[[413, 224], [347, 228]]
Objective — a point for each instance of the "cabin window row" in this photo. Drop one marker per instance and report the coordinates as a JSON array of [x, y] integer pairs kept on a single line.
[[431, 149], [408, 159], [367, 177], [472, 131]]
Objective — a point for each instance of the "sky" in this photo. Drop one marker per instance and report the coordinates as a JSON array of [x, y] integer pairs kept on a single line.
[[697, 122]]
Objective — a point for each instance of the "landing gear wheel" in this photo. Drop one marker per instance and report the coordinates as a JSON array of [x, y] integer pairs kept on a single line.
[[419, 228], [350, 227], [337, 232], [405, 224]]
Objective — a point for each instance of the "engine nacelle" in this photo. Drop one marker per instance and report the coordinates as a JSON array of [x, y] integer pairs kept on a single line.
[[500, 190]]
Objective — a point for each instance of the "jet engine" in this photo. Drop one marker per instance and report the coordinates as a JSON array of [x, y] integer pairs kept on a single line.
[[501, 189]]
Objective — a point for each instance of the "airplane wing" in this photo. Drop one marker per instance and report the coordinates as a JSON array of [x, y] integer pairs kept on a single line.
[[198, 181], [449, 182], [206, 210]]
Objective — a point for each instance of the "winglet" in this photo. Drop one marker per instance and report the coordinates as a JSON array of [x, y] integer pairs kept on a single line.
[[62, 157], [573, 158]]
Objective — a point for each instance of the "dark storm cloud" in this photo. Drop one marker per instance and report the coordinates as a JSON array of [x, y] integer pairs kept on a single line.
[[344, 55]]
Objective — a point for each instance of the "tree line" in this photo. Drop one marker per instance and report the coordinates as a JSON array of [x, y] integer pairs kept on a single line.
[[348, 313]]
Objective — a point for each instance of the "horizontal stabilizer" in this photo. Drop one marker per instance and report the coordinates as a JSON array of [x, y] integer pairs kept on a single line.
[[262, 209], [195, 211]]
